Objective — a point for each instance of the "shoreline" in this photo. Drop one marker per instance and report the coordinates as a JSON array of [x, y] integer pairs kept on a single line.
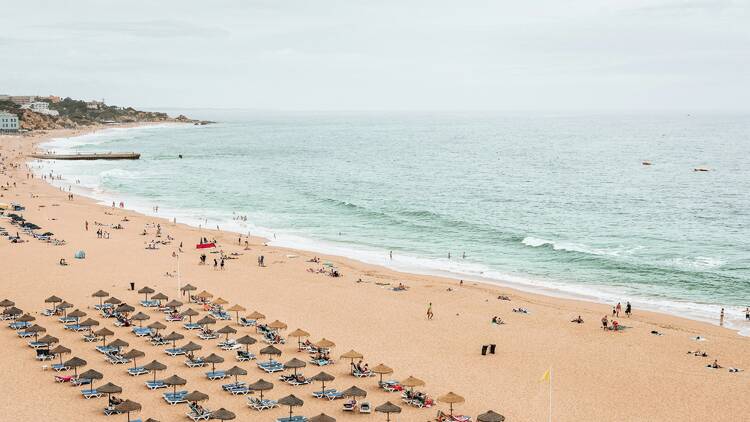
[[598, 375], [599, 293]]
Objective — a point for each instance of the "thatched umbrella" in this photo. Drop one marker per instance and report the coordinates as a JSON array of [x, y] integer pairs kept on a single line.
[[156, 326], [260, 385], [324, 344], [109, 389], [118, 344], [323, 377], [75, 363], [146, 291], [154, 366], [159, 297], [196, 396], [124, 308], [213, 359], [226, 330], [236, 372], [382, 370], [291, 401], [59, 350], [204, 295], [36, 329], [247, 341], [270, 351], [220, 302], [5, 303], [451, 398], [190, 313], [174, 381], [295, 364], [237, 309], [77, 314], [113, 301], [187, 288], [412, 382], [388, 408], [91, 375], [354, 391], [26, 318], [128, 406], [490, 416], [104, 332], [54, 300], [134, 354], [64, 306], [90, 323], [101, 294], [255, 316], [140, 316], [352, 354], [174, 303], [277, 325], [223, 415], [12, 311], [48, 339], [173, 337], [299, 333], [205, 321], [321, 418]]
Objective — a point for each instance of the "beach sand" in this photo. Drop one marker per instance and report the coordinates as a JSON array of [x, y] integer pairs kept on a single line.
[[631, 375]]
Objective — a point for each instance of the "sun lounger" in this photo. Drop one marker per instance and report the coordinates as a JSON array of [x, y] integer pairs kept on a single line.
[[175, 352], [105, 349], [58, 367], [205, 415], [110, 410], [103, 306], [25, 334], [229, 345], [292, 380], [19, 325], [271, 367], [43, 355], [63, 378], [117, 359], [173, 398], [244, 356], [139, 370], [37, 344], [361, 374], [240, 391], [141, 332], [80, 381], [227, 387], [149, 303], [220, 315], [195, 363], [247, 322], [90, 393], [295, 418], [216, 375], [259, 405], [191, 326], [90, 338], [208, 336], [174, 318], [321, 362], [323, 393], [350, 405], [155, 385], [391, 386], [76, 327], [364, 407]]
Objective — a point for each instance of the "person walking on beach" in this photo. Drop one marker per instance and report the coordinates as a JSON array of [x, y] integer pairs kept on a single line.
[[391, 255], [222, 264], [429, 312], [605, 322], [628, 309], [721, 317], [216, 263], [618, 308], [747, 314], [87, 226]]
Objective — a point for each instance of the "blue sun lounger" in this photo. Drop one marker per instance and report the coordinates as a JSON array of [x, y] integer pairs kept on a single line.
[[76, 327], [141, 331], [149, 303], [191, 326], [174, 399], [138, 370], [37, 344], [175, 352], [322, 394], [295, 418], [59, 367], [18, 325], [90, 393], [105, 349], [216, 375], [155, 385], [259, 404], [271, 366], [66, 320]]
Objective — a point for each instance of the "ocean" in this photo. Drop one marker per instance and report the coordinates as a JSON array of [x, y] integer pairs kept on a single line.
[[553, 203]]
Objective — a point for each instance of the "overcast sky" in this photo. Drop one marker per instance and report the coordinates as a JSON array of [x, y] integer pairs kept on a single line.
[[383, 55]]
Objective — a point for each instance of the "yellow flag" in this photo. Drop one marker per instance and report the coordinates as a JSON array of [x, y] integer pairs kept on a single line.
[[545, 377]]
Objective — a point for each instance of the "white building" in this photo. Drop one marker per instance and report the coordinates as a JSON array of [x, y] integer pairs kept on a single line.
[[40, 107], [8, 122]]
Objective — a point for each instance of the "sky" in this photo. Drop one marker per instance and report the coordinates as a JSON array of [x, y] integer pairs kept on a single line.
[[406, 55]]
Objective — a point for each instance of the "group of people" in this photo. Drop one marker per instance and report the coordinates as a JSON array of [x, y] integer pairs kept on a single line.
[[360, 368]]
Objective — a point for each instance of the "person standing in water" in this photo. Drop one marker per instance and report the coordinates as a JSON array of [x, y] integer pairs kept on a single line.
[[628, 309], [721, 317], [747, 314]]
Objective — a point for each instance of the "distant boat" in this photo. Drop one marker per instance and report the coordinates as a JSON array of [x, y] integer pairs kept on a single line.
[[701, 168], [646, 163]]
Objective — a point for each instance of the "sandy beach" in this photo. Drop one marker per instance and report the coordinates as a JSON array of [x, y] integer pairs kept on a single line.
[[597, 375]]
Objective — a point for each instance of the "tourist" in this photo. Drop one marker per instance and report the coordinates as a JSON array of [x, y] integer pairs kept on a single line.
[[605, 322], [618, 308], [429, 311], [721, 317], [628, 309]]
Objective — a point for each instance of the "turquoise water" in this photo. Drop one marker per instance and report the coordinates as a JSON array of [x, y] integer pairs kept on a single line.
[[554, 202]]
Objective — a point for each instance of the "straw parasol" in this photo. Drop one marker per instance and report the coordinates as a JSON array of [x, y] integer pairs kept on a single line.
[[324, 344], [236, 372], [237, 309], [104, 332], [412, 382], [223, 415], [295, 364], [146, 291], [323, 377], [388, 408], [174, 303], [48, 339], [140, 316], [173, 337], [12, 311], [174, 381], [134, 354], [354, 391], [382, 370], [113, 301], [260, 385], [256, 316], [352, 354], [277, 325], [159, 297], [128, 406], [156, 326], [322, 418], [490, 416], [152, 420], [191, 347], [226, 330], [451, 398], [36, 329], [88, 322], [109, 389], [247, 341], [220, 301], [101, 294], [206, 320], [75, 363], [91, 375], [119, 344], [187, 288], [77, 314], [25, 318], [54, 300], [291, 401], [5, 303], [124, 308], [270, 351], [196, 396], [204, 295], [59, 350], [299, 333], [213, 359], [154, 366], [190, 313]]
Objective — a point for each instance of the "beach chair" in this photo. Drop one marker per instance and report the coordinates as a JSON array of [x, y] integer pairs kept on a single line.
[[240, 391], [350, 405], [141, 331], [243, 356], [90, 338], [364, 407], [105, 349], [158, 341], [175, 352], [43, 355], [37, 344], [149, 303], [208, 336], [175, 398], [59, 367], [271, 367], [139, 370], [191, 326], [155, 385], [174, 318], [260, 405], [247, 322], [195, 363], [25, 334], [216, 375], [233, 385], [321, 362], [76, 327], [63, 378], [66, 320], [323, 393], [360, 374], [335, 395], [229, 345], [19, 325], [110, 410], [117, 359], [89, 393], [80, 381], [295, 418], [198, 414]]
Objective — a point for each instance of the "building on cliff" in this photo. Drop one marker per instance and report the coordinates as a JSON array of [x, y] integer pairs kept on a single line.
[[8, 122]]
